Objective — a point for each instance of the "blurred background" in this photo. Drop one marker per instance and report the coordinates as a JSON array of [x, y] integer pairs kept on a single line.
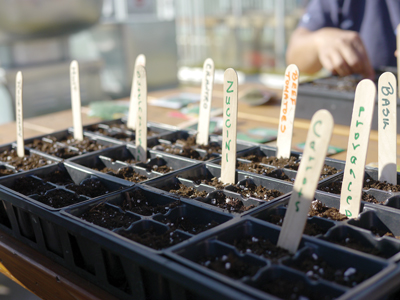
[[41, 37]]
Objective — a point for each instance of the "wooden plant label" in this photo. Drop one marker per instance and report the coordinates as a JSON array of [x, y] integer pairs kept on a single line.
[[387, 128], [19, 115], [141, 119], [288, 109], [203, 126], [357, 147], [318, 138], [230, 98], [131, 123], [76, 100]]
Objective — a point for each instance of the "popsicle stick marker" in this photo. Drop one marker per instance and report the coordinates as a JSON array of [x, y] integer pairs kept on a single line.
[[387, 128], [230, 108], [19, 116], [398, 58], [76, 100], [360, 128], [288, 109], [131, 123], [141, 118], [318, 138], [203, 126]]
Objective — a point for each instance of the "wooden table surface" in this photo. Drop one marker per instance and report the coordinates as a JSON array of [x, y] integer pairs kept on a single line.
[[51, 281]]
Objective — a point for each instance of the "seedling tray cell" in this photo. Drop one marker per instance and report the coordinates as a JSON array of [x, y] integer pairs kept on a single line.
[[61, 144], [6, 170], [43, 184], [117, 129], [382, 196], [32, 159], [256, 160], [348, 274], [196, 183]]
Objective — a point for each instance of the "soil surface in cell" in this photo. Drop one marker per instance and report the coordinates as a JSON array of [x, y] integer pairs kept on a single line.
[[59, 198], [60, 148], [291, 162], [260, 246], [318, 209], [229, 265], [354, 243], [292, 289], [317, 268], [311, 229], [383, 232], [4, 171], [28, 162], [212, 147], [57, 177], [90, 187], [184, 151], [108, 217], [336, 188], [151, 238], [186, 224], [126, 173], [30, 186], [263, 170], [117, 131], [137, 202], [370, 183]]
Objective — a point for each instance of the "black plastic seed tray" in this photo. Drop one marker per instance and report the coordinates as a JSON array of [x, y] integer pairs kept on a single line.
[[119, 266], [33, 159], [117, 129], [113, 159], [256, 160], [335, 94], [61, 144], [244, 256], [373, 232], [59, 185], [380, 194], [200, 183], [175, 143]]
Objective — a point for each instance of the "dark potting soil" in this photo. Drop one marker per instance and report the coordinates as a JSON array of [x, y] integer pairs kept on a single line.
[[152, 239], [336, 188], [59, 198], [30, 186], [57, 177], [107, 217], [204, 179], [318, 209], [212, 147], [289, 289], [381, 232], [317, 268], [291, 163], [28, 162], [229, 265], [185, 151], [137, 202], [185, 224], [128, 173], [352, 243], [260, 246], [90, 187], [60, 148], [4, 171], [160, 169], [118, 131], [185, 191], [311, 229], [262, 170], [370, 183], [256, 191]]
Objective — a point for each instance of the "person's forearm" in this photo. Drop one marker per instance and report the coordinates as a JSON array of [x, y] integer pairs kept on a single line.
[[302, 51]]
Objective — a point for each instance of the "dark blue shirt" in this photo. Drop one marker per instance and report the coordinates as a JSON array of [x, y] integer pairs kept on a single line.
[[375, 21]]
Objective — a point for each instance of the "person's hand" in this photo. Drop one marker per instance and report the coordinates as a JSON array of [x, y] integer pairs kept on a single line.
[[342, 52]]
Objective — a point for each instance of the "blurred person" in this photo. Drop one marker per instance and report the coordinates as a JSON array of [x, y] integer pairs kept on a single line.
[[346, 36]]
